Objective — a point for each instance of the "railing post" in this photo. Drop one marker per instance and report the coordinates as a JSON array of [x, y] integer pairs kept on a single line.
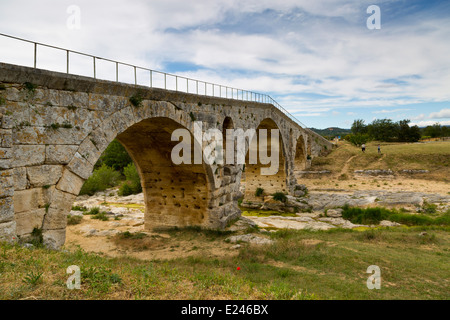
[[151, 79], [35, 54], [176, 83], [196, 86], [94, 69], [117, 72], [205, 88], [187, 85], [135, 76], [165, 81], [67, 61]]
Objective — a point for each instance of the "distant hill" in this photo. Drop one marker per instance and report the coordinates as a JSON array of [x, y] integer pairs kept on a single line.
[[332, 132]]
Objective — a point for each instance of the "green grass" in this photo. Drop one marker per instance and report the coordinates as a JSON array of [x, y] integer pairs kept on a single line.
[[299, 265], [434, 157], [370, 216]]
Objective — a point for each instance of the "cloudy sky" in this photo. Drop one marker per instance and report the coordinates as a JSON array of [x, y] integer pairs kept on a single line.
[[318, 59]]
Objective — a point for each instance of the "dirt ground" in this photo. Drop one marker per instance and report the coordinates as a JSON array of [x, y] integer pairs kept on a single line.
[[170, 245], [376, 183], [154, 246]]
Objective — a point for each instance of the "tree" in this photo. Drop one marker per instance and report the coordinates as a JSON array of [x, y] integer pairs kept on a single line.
[[358, 127], [115, 156]]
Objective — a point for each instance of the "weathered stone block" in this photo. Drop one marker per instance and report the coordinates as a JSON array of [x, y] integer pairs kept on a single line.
[[89, 151], [28, 200], [6, 153], [6, 184], [17, 112], [8, 231], [6, 138], [20, 178], [70, 183], [60, 154], [28, 155], [54, 239], [80, 166], [45, 175], [75, 99], [6, 209], [27, 221]]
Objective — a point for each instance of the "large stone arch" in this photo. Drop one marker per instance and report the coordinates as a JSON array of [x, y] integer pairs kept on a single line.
[[270, 183], [175, 195]]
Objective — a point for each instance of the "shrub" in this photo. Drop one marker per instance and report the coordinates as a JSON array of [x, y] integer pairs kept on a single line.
[[259, 192], [73, 220], [115, 156], [102, 179], [133, 183], [279, 196]]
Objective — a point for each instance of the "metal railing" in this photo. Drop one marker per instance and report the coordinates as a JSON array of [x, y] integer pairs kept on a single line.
[[230, 92]]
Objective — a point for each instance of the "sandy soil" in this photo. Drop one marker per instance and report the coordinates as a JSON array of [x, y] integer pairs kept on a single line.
[[155, 246], [377, 183], [168, 246]]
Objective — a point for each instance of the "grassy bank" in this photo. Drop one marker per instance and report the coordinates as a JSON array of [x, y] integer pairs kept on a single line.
[[299, 265], [433, 156]]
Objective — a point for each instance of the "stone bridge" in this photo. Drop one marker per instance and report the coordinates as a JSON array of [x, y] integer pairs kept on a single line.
[[54, 127]]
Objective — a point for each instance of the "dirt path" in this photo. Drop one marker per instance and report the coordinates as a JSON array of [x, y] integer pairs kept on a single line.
[[345, 167]]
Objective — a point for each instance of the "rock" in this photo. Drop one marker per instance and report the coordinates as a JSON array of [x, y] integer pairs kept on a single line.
[[387, 223], [75, 213], [236, 246], [242, 224], [250, 238], [28, 245], [88, 231], [422, 234], [137, 223], [334, 213]]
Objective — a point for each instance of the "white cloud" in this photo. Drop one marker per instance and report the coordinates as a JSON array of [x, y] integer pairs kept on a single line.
[[429, 123], [312, 56], [443, 114]]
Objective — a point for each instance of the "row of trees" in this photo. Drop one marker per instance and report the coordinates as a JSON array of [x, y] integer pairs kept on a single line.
[[386, 130]]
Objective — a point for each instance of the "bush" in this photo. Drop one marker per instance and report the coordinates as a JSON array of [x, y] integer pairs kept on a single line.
[[279, 196], [259, 192], [133, 183], [73, 220], [102, 179], [115, 156]]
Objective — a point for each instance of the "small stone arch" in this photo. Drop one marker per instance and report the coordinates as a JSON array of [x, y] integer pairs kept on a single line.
[[300, 154], [269, 183]]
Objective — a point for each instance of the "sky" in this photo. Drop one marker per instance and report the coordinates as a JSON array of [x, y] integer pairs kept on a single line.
[[318, 59]]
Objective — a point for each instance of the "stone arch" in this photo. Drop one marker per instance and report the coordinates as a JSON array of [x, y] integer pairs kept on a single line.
[[300, 154], [174, 195], [270, 183]]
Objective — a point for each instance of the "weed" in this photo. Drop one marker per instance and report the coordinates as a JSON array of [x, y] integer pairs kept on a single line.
[[192, 116], [279, 196], [32, 278], [259, 192], [30, 87], [79, 208], [73, 220], [136, 99], [100, 216]]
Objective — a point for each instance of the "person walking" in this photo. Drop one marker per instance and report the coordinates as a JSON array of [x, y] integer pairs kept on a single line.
[[363, 147], [379, 149]]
